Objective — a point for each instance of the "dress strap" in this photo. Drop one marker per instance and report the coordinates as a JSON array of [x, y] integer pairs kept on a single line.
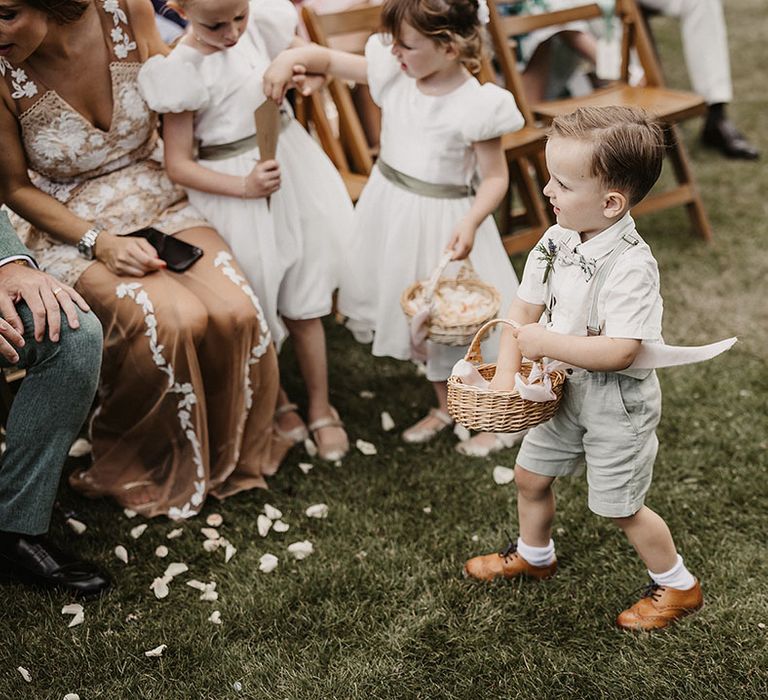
[[23, 89], [116, 27]]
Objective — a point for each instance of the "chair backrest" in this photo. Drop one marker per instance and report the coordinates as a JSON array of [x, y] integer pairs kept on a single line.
[[347, 30]]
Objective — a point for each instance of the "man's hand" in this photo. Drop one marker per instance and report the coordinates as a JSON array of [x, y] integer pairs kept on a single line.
[[46, 298]]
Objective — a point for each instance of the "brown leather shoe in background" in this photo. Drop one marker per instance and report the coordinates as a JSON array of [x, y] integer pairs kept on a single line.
[[505, 564], [659, 607]]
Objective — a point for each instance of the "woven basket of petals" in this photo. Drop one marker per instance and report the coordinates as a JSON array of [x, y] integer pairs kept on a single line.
[[460, 305], [498, 411]]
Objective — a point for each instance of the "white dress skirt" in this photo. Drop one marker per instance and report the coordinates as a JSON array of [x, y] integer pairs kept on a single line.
[[399, 236], [289, 249]]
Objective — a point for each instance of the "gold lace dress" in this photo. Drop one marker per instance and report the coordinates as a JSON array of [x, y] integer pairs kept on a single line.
[[189, 375]]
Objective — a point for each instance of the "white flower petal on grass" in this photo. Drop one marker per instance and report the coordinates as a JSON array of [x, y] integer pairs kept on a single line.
[[211, 545], [138, 531], [24, 674], [157, 651], [194, 583], [214, 520], [319, 510], [263, 525], [77, 620], [160, 586], [129, 513], [461, 432], [210, 533], [215, 617], [367, 448], [268, 562], [72, 609], [229, 552], [475, 538], [427, 509], [387, 423], [121, 553], [503, 475], [173, 534], [77, 526], [209, 595], [161, 551], [71, 696], [280, 526], [272, 513], [305, 467], [310, 447], [301, 550], [80, 448], [175, 568], [366, 394]]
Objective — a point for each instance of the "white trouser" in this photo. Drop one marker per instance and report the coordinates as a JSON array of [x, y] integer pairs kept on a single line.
[[705, 45]]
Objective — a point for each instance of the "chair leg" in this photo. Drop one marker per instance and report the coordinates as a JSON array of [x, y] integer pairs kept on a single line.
[[535, 215], [695, 207]]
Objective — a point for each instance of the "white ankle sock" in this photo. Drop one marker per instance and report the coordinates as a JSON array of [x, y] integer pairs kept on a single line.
[[677, 577], [536, 556]]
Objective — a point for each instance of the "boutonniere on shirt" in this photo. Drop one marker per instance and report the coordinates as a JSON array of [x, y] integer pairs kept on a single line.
[[573, 257], [547, 255]]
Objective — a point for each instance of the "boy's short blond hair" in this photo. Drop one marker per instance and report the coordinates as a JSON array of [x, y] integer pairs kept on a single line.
[[628, 146]]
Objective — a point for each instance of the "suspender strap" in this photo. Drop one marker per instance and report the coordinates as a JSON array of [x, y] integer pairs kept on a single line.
[[593, 322]]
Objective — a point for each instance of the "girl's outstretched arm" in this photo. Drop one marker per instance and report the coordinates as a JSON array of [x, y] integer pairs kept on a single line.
[[183, 169], [313, 59], [492, 167]]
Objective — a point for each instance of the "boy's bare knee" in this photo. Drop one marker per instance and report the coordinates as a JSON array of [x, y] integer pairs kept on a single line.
[[529, 484]]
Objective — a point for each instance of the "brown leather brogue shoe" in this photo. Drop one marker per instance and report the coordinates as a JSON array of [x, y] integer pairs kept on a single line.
[[659, 607], [505, 564]]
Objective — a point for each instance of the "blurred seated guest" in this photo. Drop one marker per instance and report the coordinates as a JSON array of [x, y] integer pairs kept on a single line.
[[189, 378], [46, 329], [169, 23]]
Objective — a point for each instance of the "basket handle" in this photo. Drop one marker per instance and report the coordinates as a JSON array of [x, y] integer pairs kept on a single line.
[[474, 354], [429, 290]]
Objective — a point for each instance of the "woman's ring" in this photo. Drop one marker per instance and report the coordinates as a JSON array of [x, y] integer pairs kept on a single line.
[[56, 291]]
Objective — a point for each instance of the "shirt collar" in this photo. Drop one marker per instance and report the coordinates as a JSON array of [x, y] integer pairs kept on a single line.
[[605, 241]]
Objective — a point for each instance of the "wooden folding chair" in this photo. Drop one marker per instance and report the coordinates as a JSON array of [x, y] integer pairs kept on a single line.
[[668, 106]]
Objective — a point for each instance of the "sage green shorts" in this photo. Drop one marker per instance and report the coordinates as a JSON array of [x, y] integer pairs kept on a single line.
[[608, 420]]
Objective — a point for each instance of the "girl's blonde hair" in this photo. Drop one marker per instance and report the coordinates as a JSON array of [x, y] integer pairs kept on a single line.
[[444, 22]]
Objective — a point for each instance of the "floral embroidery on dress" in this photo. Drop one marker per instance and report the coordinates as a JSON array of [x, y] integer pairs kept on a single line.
[[121, 42], [21, 84]]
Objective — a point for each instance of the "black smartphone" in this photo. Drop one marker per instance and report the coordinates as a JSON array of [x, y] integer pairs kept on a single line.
[[177, 254]]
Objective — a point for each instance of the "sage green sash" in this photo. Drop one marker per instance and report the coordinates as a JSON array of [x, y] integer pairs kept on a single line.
[[222, 151], [427, 189]]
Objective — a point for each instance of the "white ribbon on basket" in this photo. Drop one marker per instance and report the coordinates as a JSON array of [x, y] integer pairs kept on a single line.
[[419, 327]]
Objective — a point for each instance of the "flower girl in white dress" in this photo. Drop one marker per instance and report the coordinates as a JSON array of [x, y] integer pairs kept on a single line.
[[440, 129], [208, 88]]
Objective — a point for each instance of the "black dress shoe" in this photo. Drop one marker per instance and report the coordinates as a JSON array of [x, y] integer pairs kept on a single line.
[[32, 559], [723, 135]]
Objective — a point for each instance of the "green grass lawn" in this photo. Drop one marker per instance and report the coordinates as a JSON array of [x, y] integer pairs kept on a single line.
[[380, 609]]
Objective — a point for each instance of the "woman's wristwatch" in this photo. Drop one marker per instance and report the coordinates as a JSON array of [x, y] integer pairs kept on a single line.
[[85, 245]]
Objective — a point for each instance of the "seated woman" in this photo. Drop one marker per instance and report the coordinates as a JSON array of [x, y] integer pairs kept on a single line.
[[189, 375]]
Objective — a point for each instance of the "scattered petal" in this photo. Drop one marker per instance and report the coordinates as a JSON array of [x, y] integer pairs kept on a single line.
[[503, 475], [280, 526], [209, 594], [560, 531], [238, 686], [160, 586], [77, 526], [305, 467], [173, 534], [319, 510], [301, 550], [129, 513], [337, 463], [121, 553], [210, 533], [215, 617], [387, 423], [71, 696], [214, 520], [80, 448], [475, 538], [461, 432], [310, 447], [138, 531], [267, 563], [362, 554], [24, 674], [131, 617], [175, 568], [761, 625], [72, 609], [194, 583], [161, 551], [367, 448], [229, 552], [263, 525], [427, 509], [157, 651], [366, 394], [211, 545], [77, 619], [272, 513]]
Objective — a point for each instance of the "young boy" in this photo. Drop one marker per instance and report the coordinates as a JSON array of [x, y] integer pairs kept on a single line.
[[598, 285]]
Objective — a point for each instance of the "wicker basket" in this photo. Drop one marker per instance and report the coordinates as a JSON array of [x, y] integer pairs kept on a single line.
[[438, 330], [498, 411]]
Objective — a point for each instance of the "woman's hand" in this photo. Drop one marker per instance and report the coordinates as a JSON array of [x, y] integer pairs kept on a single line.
[[127, 256], [263, 180], [462, 240]]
